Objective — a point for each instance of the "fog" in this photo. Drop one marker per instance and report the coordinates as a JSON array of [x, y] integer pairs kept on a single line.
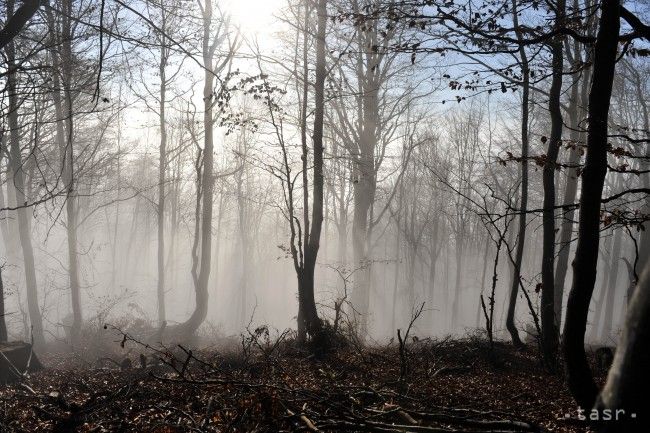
[[421, 163]]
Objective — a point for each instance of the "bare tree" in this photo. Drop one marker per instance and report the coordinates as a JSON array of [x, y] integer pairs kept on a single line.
[[218, 49], [18, 183], [580, 380]]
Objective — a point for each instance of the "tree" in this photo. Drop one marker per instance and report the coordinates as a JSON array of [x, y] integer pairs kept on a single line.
[[521, 234], [18, 20], [628, 379], [218, 49], [550, 334], [307, 303], [365, 116], [17, 170], [579, 378], [3, 322], [576, 114], [64, 96]]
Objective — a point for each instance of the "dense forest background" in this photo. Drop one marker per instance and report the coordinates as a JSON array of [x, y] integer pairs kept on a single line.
[[206, 167]]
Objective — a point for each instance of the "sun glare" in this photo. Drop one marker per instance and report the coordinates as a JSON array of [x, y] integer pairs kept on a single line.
[[254, 17]]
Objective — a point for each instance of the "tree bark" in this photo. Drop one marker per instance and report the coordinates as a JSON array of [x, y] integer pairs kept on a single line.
[[200, 312], [3, 323], [312, 322], [550, 336], [244, 236], [521, 234], [606, 328], [162, 167], [629, 377], [580, 380], [598, 310], [19, 187], [68, 172], [18, 20], [460, 243], [63, 101], [577, 102]]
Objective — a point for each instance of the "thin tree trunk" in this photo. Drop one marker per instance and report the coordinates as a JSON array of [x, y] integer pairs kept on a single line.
[[114, 267], [550, 336], [577, 100], [603, 288], [62, 60], [71, 196], [200, 312], [302, 329], [162, 166], [3, 323], [397, 260], [19, 189], [242, 216], [483, 273], [521, 234], [644, 241], [606, 328], [433, 260], [460, 241]]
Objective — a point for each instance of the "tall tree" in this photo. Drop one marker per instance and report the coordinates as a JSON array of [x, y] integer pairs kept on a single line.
[[18, 182], [521, 234], [218, 49], [312, 322], [64, 98], [576, 114], [579, 377], [162, 160], [550, 336]]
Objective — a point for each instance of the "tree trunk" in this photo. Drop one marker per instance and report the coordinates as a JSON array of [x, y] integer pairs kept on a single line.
[[580, 380], [644, 241], [364, 193], [483, 274], [71, 199], [550, 336], [62, 61], [433, 260], [459, 281], [577, 101], [200, 312], [605, 330], [162, 166], [398, 259], [3, 323], [19, 187], [629, 377], [364, 172], [244, 237], [312, 323], [603, 288], [521, 234]]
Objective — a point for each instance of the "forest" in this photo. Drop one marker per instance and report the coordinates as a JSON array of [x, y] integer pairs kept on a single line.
[[325, 215]]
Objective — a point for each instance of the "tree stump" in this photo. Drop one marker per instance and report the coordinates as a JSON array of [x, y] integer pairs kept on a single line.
[[15, 358]]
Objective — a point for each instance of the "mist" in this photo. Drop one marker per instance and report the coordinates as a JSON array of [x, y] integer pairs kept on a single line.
[[342, 175]]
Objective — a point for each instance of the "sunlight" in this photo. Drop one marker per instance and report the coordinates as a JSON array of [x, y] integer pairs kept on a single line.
[[254, 17]]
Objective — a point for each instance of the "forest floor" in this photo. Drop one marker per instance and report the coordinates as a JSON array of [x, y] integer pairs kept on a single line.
[[448, 386]]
